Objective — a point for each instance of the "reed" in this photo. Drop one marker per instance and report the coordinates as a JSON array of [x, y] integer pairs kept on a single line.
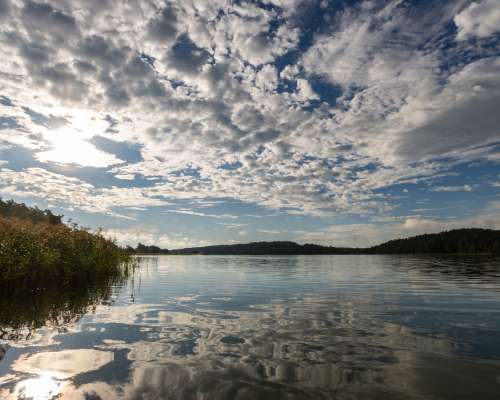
[[36, 251]]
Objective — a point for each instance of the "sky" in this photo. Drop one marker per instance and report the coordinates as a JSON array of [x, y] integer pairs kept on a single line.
[[196, 122]]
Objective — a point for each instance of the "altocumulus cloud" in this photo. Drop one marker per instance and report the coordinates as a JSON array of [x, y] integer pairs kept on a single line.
[[309, 107]]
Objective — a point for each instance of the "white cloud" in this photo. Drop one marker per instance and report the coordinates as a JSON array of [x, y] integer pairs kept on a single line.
[[305, 91], [479, 19], [369, 234], [271, 231], [70, 150], [127, 177], [464, 188], [200, 214], [230, 225], [151, 235], [267, 78], [73, 193], [195, 86]]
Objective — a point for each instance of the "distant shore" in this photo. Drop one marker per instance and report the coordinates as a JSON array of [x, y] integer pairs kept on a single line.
[[467, 241], [173, 253]]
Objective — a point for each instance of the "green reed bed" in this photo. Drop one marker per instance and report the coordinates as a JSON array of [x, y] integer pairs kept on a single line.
[[39, 251]]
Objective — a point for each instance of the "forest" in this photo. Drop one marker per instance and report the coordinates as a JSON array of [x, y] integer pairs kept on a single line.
[[458, 241]]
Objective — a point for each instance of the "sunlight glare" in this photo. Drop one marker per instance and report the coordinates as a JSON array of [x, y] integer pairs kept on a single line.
[[44, 387], [69, 147]]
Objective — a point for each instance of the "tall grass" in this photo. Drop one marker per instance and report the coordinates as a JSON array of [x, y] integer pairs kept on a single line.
[[32, 252]]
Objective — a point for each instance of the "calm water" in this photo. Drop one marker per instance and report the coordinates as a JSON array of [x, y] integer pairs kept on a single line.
[[311, 327]]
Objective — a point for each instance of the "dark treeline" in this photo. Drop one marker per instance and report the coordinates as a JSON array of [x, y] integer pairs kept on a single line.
[[11, 209], [470, 241], [145, 249], [263, 248], [465, 241]]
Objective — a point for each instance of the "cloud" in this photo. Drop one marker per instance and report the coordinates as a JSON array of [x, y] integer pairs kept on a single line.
[[102, 50], [271, 231], [479, 19], [464, 188], [87, 154], [369, 234], [305, 91], [249, 102], [247, 32], [467, 119], [163, 27], [151, 235], [129, 177], [230, 225], [200, 214], [185, 57], [399, 105], [72, 193], [267, 78], [43, 18], [4, 9]]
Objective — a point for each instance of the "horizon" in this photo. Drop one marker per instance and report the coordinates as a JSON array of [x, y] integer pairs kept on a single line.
[[188, 124], [316, 244]]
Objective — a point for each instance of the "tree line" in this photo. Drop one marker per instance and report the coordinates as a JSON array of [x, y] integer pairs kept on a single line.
[[458, 241], [465, 241], [11, 209]]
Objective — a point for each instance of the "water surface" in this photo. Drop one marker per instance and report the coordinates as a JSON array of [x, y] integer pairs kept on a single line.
[[306, 327]]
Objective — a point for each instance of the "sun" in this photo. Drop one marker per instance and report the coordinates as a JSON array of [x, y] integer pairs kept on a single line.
[[68, 146]]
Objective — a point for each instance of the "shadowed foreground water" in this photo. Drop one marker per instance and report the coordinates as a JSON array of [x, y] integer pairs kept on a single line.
[[311, 327]]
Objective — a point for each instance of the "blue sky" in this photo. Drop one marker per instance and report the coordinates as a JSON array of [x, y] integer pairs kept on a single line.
[[200, 122]]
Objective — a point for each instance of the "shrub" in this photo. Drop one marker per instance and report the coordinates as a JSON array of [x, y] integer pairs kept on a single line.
[[31, 251]]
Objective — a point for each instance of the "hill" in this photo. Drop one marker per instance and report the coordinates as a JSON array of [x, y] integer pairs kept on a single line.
[[265, 248], [471, 241]]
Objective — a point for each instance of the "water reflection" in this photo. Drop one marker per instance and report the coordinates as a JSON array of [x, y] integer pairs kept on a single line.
[[52, 370], [23, 311], [279, 327], [63, 364], [44, 387]]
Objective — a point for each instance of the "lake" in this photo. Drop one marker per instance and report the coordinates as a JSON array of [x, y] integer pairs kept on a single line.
[[237, 327]]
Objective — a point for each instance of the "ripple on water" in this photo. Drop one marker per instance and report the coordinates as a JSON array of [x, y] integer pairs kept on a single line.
[[353, 327]]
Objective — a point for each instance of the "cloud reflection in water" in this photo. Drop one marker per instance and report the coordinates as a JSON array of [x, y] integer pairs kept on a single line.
[[301, 328]]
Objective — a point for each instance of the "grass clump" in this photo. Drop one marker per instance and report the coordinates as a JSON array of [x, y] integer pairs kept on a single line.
[[33, 251]]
